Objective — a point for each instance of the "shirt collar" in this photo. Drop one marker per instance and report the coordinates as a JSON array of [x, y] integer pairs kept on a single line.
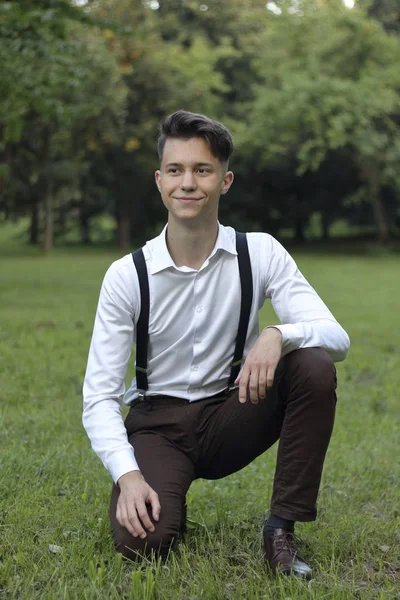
[[161, 258]]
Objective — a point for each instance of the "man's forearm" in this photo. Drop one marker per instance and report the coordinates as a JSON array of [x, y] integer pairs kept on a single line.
[[106, 430], [321, 333]]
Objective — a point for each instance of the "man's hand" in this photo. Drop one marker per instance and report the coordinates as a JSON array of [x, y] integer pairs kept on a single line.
[[131, 507], [257, 373]]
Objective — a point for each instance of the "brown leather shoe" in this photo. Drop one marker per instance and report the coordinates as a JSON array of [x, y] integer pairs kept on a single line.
[[282, 556]]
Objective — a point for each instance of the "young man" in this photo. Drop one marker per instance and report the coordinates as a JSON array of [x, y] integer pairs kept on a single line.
[[190, 423]]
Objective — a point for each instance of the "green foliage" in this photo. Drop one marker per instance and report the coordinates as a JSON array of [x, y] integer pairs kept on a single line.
[[161, 73], [41, 71], [329, 80], [385, 11], [327, 86], [311, 94], [60, 91]]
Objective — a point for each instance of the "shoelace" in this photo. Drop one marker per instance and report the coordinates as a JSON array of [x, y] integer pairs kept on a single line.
[[285, 541]]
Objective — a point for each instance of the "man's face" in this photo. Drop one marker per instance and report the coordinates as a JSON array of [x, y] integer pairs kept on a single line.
[[191, 180]]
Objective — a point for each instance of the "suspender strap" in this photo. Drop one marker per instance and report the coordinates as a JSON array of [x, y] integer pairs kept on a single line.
[[142, 329], [246, 282]]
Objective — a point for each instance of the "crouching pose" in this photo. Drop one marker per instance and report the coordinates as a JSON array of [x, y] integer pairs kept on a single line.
[[211, 393]]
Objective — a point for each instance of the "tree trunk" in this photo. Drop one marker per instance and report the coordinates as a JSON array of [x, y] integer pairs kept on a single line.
[[48, 234], [34, 227], [325, 227], [381, 220], [123, 232], [123, 218], [372, 179], [85, 229], [299, 229], [47, 187]]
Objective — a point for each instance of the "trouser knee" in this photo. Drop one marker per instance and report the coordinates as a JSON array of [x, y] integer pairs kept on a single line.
[[157, 544], [312, 368]]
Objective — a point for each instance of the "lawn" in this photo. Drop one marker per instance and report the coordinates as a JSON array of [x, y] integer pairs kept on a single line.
[[54, 539]]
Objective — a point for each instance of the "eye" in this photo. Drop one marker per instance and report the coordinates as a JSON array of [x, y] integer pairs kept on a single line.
[[172, 170], [203, 171]]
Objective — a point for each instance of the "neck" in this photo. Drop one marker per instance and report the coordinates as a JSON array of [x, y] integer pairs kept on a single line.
[[190, 246]]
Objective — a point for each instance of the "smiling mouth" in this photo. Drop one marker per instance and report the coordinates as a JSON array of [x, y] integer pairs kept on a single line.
[[186, 198]]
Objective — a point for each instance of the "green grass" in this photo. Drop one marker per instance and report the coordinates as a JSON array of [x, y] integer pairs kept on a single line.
[[54, 491]]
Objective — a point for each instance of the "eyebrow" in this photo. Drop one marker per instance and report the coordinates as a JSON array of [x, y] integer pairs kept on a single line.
[[199, 164]]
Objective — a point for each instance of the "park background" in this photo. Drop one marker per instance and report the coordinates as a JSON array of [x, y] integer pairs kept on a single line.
[[311, 92]]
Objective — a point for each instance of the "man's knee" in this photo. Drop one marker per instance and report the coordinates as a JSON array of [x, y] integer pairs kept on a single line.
[[168, 530], [313, 367], [158, 543]]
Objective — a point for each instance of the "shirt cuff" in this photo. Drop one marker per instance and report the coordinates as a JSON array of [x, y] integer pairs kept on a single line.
[[121, 462], [291, 337]]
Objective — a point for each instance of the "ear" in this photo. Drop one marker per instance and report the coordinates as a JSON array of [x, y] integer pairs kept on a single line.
[[157, 177], [227, 182]]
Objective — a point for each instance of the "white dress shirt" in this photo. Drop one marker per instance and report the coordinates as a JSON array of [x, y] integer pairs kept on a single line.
[[193, 323]]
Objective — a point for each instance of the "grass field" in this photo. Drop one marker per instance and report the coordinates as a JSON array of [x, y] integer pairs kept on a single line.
[[54, 531]]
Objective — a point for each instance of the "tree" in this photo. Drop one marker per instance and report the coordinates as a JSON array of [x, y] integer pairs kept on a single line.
[[385, 11], [58, 82], [162, 73], [330, 82]]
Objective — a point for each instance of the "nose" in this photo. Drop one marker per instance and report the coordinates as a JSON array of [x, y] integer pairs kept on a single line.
[[188, 182]]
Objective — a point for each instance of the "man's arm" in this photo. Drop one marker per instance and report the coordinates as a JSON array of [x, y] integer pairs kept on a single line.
[[258, 372], [109, 353], [306, 322]]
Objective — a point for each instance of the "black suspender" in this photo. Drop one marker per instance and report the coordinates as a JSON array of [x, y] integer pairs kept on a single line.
[[142, 330], [246, 282]]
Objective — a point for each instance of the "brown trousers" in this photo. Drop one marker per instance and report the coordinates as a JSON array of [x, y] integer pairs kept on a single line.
[[177, 442]]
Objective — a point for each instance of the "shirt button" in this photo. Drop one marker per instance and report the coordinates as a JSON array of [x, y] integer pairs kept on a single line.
[[195, 368], [199, 308], [198, 340]]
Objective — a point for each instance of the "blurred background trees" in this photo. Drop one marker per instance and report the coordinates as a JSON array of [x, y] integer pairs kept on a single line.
[[310, 89]]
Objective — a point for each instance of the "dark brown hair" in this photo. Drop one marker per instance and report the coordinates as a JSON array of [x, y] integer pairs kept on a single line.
[[185, 125]]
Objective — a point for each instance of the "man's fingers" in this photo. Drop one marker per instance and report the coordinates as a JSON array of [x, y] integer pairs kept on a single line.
[[132, 512], [270, 377], [122, 518], [118, 514], [257, 374], [237, 380], [262, 383], [155, 505], [254, 384], [136, 524], [144, 517], [244, 379]]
